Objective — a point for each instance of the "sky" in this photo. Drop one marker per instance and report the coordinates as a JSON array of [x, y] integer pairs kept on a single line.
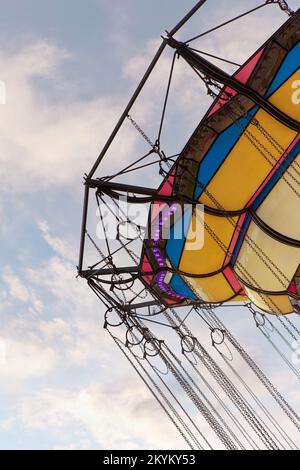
[[69, 67]]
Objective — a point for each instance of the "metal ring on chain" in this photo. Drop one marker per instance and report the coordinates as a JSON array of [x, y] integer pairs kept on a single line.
[[257, 316], [187, 347], [220, 340], [156, 348], [126, 283], [127, 224], [107, 321], [130, 332]]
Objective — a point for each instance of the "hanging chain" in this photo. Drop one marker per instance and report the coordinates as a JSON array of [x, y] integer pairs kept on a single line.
[[293, 416], [228, 387], [95, 245], [155, 146], [283, 5], [140, 131]]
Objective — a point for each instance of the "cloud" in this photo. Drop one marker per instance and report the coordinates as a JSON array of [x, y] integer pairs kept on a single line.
[[24, 359], [58, 245], [19, 291], [8, 423], [82, 444], [69, 321], [114, 416], [47, 142], [16, 288]]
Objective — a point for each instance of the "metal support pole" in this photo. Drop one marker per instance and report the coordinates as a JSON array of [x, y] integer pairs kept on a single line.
[[109, 271], [124, 188], [83, 227]]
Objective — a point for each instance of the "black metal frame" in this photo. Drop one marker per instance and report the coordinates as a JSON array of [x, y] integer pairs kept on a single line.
[[110, 188], [92, 275], [121, 121]]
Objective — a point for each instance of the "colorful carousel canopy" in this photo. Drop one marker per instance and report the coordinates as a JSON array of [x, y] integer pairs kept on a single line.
[[225, 223]]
